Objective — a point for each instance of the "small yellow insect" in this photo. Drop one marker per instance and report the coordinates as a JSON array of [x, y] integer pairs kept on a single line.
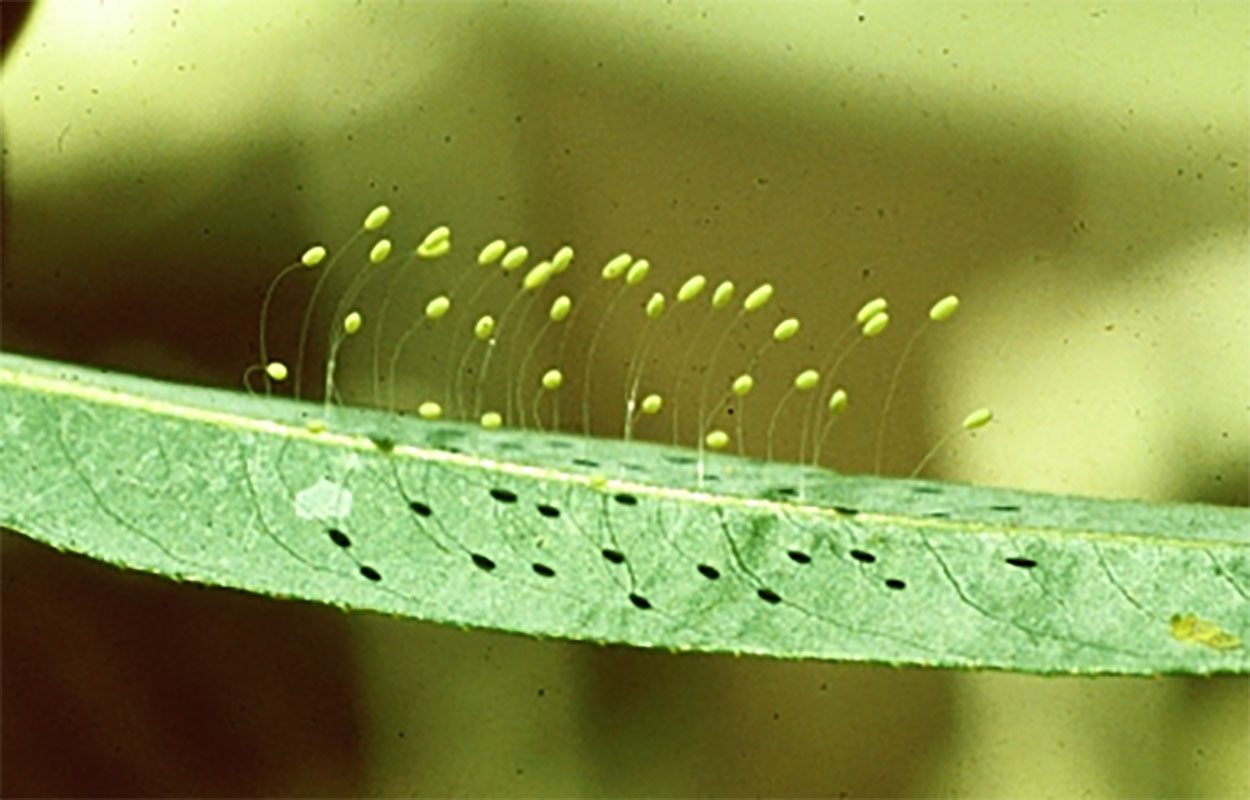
[[1191, 629]]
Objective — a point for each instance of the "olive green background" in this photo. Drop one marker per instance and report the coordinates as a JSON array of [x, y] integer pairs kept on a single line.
[[1076, 172]]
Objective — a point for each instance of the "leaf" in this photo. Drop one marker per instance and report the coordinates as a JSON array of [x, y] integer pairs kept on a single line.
[[557, 535]]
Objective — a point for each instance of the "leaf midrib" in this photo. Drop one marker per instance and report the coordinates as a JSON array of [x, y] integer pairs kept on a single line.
[[237, 422]]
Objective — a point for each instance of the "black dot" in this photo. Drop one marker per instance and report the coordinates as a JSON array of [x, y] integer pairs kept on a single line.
[[615, 556], [548, 511], [339, 538], [421, 509], [626, 499], [503, 495], [769, 596], [1026, 563], [544, 570], [846, 510], [639, 601], [799, 557], [482, 562], [895, 583], [860, 555], [709, 572], [370, 573], [787, 491]]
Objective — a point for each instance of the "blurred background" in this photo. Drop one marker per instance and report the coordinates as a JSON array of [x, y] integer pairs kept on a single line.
[[1077, 172]]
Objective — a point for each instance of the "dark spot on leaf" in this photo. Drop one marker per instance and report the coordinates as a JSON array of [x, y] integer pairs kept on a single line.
[[548, 511], [503, 495], [585, 462], [709, 572], [799, 557], [786, 491], [639, 601], [339, 538], [1026, 563], [482, 562], [939, 514], [384, 443], [682, 460], [926, 490], [846, 510], [544, 570], [1004, 508], [861, 555], [769, 596], [626, 499], [370, 573], [895, 583], [615, 556], [420, 509]]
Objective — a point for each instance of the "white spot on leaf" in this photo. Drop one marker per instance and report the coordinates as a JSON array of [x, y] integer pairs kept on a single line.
[[323, 499]]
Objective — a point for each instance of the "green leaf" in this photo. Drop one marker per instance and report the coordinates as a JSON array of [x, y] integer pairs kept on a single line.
[[557, 535]]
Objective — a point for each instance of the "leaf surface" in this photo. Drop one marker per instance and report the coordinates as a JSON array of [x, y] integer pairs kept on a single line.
[[557, 535]]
